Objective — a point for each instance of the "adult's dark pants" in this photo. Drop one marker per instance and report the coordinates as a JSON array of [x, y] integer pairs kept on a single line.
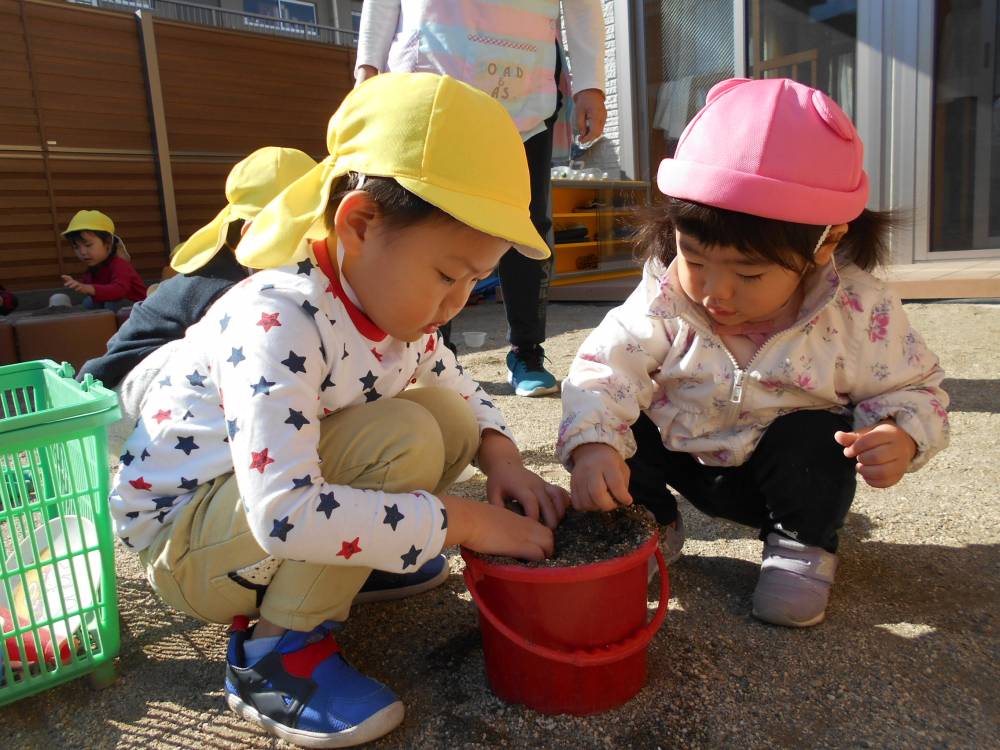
[[797, 482]]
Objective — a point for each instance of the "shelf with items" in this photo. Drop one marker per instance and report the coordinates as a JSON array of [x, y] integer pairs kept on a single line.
[[591, 220]]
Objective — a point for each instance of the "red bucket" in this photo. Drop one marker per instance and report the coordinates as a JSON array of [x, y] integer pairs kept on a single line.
[[567, 640]]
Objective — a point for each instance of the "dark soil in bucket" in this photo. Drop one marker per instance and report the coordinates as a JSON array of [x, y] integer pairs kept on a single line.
[[585, 538]]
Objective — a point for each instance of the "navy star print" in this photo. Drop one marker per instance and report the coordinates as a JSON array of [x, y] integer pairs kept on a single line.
[[392, 515], [310, 308], [327, 503], [301, 482], [368, 381], [224, 323], [186, 444], [438, 367], [127, 458], [281, 528], [163, 502], [410, 558], [188, 484], [165, 382], [237, 356], [232, 427], [196, 379], [305, 267], [294, 362], [372, 395], [327, 383], [144, 455], [262, 386], [444, 519], [296, 419]]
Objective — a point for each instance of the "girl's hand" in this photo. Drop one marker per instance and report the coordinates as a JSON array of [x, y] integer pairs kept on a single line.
[[495, 531], [507, 478], [77, 286], [600, 478], [884, 452]]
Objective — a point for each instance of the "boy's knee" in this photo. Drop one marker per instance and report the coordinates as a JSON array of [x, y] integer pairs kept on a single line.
[[452, 413]]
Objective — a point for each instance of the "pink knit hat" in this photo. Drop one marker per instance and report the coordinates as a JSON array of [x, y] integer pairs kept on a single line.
[[772, 148]]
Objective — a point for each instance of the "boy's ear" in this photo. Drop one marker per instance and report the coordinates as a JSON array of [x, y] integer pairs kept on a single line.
[[829, 246], [354, 218]]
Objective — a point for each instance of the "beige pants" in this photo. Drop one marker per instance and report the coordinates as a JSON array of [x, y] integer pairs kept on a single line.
[[203, 562]]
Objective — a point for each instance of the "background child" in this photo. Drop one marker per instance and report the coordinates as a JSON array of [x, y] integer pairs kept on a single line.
[[758, 367], [110, 281], [204, 273], [299, 433]]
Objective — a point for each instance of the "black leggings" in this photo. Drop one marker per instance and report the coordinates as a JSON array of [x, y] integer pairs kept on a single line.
[[797, 482]]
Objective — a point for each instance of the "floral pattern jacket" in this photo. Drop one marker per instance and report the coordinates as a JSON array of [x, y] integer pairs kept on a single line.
[[851, 351]]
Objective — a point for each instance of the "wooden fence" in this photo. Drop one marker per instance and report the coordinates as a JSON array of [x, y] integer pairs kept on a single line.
[[89, 119]]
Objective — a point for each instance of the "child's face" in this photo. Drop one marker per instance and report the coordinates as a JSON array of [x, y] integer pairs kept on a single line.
[[90, 248], [731, 287], [411, 281]]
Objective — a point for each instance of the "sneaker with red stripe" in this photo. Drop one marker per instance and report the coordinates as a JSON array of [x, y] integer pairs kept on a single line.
[[305, 692]]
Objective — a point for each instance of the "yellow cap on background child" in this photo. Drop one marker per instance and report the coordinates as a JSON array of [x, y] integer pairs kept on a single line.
[[95, 221], [251, 185], [444, 141]]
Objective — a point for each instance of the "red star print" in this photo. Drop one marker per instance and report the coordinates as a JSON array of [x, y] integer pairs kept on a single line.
[[377, 355], [140, 484], [268, 321], [431, 340], [162, 416], [327, 412], [330, 289], [260, 460], [349, 548]]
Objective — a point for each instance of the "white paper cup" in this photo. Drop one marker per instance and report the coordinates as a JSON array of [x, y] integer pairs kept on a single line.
[[474, 339]]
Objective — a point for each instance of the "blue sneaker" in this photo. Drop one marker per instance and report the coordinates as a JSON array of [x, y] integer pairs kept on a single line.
[[527, 373], [305, 693], [382, 586]]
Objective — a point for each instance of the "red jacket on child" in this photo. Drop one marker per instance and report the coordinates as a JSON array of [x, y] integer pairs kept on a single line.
[[115, 280]]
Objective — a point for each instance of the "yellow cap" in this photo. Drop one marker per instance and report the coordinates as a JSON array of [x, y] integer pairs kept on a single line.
[[251, 185], [443, 140], [95, 221]]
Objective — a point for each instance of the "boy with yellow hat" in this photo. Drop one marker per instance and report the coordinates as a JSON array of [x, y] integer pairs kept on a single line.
[[300, 437], [110, 281], [206, 266]]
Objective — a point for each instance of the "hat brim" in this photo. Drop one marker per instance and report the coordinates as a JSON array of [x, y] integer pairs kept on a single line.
[[758, 195], [511, 223], [203, 245]]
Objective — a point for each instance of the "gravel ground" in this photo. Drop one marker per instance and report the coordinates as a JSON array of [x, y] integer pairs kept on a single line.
[[907, 658]]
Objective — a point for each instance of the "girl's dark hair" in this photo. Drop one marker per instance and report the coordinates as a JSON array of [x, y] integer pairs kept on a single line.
[[783, 242], [106, 237], [399, 207], [234, 233]]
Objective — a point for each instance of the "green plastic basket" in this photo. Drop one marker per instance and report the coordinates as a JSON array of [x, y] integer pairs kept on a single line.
[[58, 594]]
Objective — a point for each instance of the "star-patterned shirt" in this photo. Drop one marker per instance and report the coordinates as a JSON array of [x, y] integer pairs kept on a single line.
[[246, 394]]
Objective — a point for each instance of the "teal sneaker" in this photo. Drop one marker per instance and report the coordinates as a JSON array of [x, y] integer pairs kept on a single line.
[[527, 372]]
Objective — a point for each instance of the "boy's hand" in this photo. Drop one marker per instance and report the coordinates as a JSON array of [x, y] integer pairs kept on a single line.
[[507, 478], [884, 452], [495, 531], [600, 478]]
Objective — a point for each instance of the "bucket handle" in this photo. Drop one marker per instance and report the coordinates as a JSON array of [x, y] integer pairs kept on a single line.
[[584, 657]]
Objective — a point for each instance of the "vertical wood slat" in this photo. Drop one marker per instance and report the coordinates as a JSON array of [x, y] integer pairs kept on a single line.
[[225, 93]]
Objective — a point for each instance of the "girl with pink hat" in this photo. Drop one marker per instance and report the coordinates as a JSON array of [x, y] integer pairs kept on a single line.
[[759, 367]]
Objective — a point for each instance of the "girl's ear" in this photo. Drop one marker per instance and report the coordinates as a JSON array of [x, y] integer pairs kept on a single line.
[[354, 219], [825, 253]]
